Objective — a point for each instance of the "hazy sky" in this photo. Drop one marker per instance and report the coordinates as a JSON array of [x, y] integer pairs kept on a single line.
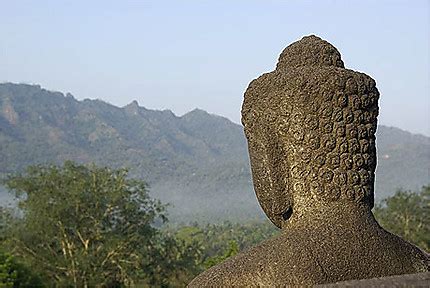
[[180, 55]]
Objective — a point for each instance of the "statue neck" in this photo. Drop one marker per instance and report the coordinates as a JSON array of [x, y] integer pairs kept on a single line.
[[317, 214]]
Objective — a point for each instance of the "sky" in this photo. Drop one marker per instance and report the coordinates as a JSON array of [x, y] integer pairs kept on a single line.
[[181, 55]]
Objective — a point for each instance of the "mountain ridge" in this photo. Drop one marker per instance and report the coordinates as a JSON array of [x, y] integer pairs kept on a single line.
[[197, 161]]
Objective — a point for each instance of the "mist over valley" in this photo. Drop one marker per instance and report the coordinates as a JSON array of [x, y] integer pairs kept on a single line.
[[198, 163]]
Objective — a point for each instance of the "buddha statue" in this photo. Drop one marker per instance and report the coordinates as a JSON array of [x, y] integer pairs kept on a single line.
[[310, 126]]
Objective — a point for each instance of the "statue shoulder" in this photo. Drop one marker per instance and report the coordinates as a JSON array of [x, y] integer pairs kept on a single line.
[[234, 271], [245, 269]]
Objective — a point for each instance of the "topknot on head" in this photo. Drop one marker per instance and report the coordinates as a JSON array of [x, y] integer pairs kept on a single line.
[[309, 51]]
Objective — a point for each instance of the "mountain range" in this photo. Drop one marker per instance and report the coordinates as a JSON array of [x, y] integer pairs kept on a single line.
[[197, 162]]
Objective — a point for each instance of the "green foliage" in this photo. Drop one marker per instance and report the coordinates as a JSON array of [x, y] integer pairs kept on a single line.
[[175, 262], [8, 274], [407, 214], [84, 226], [221, 241], [6, 220], [15, 274], [232, 250]]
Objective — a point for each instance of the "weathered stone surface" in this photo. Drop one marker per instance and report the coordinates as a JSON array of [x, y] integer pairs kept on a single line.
[[310, 126], [407, 280]]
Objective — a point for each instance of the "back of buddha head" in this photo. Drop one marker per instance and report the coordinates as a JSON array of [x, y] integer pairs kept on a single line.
[[311, 126]]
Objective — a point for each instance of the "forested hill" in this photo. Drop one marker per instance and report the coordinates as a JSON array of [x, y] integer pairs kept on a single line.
[[198, 162]]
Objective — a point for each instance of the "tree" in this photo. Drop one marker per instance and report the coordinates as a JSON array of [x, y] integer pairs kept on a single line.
[[407, 214], [217, 242], [232, 250], [85, 226], [176, 262], [15, 274], [6, 220]]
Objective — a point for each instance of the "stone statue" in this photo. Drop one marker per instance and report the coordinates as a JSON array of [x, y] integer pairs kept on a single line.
[[310, 126]]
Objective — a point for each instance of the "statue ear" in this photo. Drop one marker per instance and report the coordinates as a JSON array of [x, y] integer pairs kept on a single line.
[[270, 174]]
